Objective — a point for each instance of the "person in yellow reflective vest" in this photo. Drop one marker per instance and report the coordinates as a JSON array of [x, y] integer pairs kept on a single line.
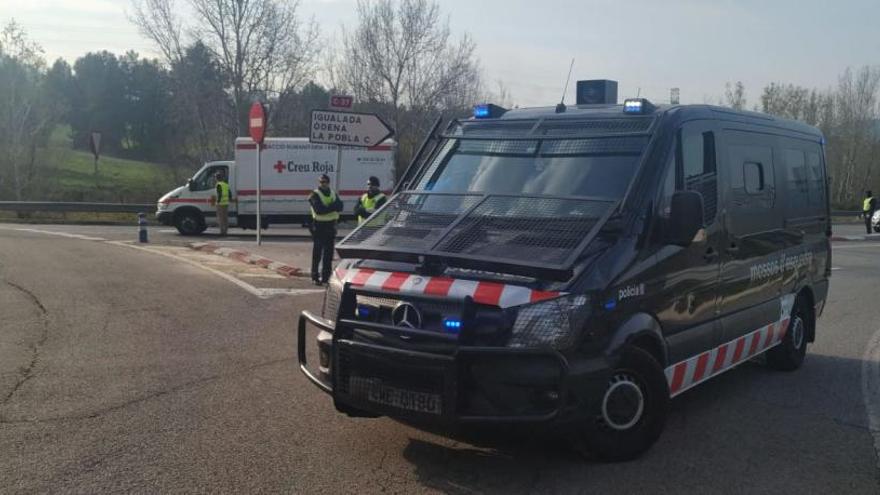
[[221, 199], [869, 205], [370, 201], [326, 206]]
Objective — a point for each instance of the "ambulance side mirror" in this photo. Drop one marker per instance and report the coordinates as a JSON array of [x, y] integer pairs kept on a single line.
[[685, 218], [190, 184]]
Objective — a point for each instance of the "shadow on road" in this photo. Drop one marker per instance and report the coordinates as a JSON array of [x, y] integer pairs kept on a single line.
[[805, 429]]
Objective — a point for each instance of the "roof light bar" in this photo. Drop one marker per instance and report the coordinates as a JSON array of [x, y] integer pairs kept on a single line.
[[488, 111], [637, 106]]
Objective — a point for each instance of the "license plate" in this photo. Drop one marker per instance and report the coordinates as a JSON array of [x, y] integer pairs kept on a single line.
[[410, 400]]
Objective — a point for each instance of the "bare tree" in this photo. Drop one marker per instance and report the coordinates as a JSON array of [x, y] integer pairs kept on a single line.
[[157, 21], [857, 117], [401, 56], [735, 95], [262, 46], [848, 117], [25, 115]]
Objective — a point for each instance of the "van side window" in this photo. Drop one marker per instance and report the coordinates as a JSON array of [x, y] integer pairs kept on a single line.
[[205, 180], [751, 176], [796, 181], [816, 180], [696, 162]]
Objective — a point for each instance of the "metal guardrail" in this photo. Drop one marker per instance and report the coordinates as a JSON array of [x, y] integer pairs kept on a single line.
[[150, 207], [77, 207]]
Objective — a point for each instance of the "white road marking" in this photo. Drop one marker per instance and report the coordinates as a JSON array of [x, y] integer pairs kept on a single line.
[[61, 234], [835, 268], [835, 247], [261, 293], [871, 389], [261, 275]]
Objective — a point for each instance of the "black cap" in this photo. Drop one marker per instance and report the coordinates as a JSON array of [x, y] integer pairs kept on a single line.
[[324, 177], [373, 181]]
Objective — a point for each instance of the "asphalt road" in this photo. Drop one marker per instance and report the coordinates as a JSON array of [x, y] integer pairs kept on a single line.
[[155, 371]]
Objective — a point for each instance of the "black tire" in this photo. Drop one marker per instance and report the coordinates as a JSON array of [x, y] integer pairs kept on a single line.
[[189, 223], [618, 428], [877, 229], [789, 354]]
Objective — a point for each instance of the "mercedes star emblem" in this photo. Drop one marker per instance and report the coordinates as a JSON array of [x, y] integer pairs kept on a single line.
[[406, 315]]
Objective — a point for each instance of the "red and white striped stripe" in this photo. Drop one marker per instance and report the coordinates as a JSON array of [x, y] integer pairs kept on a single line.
[[697, 369], [483, 292]]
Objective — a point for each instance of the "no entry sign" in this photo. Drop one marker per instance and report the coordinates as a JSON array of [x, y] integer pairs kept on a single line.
[[257, 122]]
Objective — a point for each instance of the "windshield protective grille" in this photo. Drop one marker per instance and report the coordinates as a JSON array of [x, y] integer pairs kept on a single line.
[[411, 221], [544, 230], [551, 128], [526, 230]]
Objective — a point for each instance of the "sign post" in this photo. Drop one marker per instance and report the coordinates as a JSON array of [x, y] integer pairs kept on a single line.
[[257, 129], [95, 146], [342, 103]]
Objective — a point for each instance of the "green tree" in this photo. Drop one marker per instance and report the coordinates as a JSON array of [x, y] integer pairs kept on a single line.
[[202, 114], [146, 107], [26, 117], [292, 112], [98, 103]]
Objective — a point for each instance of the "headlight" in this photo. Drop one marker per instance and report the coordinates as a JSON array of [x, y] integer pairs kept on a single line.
[[554, 323], [331, 298]]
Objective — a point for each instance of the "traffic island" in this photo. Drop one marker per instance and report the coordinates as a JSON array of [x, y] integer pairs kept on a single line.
[[249, 258]]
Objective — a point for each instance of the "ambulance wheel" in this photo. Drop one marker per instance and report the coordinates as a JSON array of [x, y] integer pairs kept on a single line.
[[630, 414], [189, 223], [789, 354]]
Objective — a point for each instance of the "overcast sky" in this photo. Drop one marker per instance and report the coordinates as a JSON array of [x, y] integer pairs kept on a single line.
[[651, 45]]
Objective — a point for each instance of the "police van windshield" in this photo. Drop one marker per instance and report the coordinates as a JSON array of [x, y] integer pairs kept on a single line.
[[600, 167]]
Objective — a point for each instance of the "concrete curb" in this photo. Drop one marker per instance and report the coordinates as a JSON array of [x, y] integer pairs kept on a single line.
[[252, 259]]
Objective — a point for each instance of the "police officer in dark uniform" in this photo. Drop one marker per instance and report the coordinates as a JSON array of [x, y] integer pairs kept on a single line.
[[326, 206], [370, 201]]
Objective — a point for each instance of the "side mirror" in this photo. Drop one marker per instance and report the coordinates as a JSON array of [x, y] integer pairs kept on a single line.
[[190, 185], [685, 217]]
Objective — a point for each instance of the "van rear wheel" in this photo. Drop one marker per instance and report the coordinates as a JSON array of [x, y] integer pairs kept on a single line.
[[189, 223], [789, 354], [631, 413]]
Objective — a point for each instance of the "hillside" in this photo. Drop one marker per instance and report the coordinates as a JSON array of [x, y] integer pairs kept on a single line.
[[65, 174]]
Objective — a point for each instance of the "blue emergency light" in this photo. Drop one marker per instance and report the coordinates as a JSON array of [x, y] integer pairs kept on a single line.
[[488, 111], [452, 325], [637, 106], [363, 311]]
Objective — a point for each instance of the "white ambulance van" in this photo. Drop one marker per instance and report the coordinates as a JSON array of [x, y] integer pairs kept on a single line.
[[290, 171]]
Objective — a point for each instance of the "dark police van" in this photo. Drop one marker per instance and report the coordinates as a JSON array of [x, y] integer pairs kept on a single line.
[[578, 266]]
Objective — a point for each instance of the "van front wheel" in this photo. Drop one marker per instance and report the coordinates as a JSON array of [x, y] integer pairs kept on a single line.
[[631, 412], [189, 223]]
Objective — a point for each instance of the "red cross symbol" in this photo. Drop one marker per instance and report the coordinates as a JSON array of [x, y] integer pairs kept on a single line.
[[279, 166]]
